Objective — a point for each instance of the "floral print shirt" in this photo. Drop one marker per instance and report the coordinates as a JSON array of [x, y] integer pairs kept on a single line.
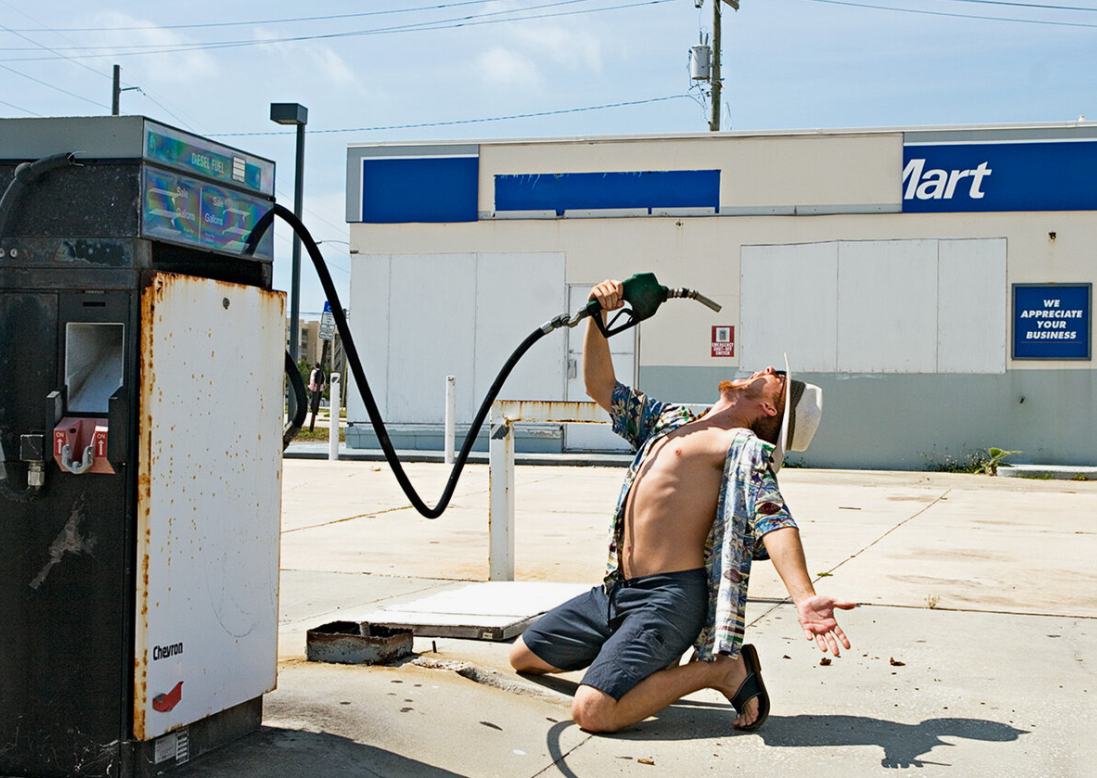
[[749, 506]]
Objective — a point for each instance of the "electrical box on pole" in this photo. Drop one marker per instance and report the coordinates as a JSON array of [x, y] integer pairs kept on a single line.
[[700, 62]]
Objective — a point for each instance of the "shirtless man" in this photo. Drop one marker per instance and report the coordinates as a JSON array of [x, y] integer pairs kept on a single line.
[[681, 546]]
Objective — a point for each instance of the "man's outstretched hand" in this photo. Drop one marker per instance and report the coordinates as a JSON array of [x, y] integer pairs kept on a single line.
[[816, 615]]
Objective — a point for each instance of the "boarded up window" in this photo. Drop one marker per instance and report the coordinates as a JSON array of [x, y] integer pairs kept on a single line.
[[886, 306]]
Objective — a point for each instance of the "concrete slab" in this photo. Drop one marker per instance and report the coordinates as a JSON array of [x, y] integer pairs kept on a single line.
[[941, 692], [359, 521], [497, 610], [975, 548], [996, 679], [310, 598]]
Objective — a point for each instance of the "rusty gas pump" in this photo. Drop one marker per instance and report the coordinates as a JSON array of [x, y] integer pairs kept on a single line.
[[139, 501]]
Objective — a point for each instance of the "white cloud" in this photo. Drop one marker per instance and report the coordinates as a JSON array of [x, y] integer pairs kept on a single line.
[[545, 44], [503, 67], [175, 68], [317, 62], [575, 50], [334, 67]]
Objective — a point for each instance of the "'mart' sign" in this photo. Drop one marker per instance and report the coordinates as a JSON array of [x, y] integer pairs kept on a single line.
[[1029, 176]]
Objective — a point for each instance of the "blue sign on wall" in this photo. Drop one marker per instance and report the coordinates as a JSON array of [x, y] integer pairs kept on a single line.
[[1051, 321], [1033, 176], [647, 189], [420, 189]]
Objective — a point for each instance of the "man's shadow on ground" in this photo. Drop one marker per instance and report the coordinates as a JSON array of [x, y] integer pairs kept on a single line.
[[903, 744]]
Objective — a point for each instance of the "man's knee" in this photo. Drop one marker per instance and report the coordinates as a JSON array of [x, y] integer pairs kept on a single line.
[[525, 661], [593, 710]]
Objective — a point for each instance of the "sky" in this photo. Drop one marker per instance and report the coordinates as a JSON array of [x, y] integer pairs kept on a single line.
[[438, 70]]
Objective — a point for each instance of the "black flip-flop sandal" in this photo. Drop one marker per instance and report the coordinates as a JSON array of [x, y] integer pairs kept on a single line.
[[750, 688]]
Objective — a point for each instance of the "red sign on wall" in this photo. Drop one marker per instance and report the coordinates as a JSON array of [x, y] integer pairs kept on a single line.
[[723, 341]]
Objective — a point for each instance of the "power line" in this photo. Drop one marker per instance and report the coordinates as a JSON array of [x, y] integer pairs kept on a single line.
[[467, 21], [82, 65], [57, 88], [410, 27], [18, 108], [436, 7], [463, 121], [1037, 6], [253, 22], [164, 108], [924, 12], [53, 51], [39, 81]]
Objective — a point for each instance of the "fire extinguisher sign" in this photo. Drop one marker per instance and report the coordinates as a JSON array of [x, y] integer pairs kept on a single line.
[[723, 341]]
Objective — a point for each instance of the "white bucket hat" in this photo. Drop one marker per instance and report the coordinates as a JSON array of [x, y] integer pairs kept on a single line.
[[803, 411]]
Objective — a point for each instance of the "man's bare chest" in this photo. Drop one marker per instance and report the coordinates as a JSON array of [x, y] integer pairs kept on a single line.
[[694, 445]]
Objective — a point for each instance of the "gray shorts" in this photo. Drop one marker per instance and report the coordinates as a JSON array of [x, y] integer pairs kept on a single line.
[[624, 631]]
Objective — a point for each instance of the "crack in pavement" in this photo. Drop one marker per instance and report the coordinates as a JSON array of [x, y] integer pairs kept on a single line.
[[858, 553]]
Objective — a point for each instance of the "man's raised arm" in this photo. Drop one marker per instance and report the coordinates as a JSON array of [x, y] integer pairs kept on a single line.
[[598, 376]]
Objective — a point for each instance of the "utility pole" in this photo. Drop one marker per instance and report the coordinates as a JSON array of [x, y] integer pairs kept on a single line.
[[714, 122], [117, 90]]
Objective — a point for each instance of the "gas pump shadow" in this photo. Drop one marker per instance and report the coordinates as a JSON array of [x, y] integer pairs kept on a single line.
[[276, 752], [904, 745]]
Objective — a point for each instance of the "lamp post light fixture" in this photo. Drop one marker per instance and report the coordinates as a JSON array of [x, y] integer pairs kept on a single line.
[[295, 114]]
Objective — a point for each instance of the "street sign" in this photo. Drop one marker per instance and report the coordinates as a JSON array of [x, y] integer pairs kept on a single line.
[[327, 323]]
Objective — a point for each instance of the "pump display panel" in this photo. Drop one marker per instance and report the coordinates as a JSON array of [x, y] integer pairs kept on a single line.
[[200, 193], [186, 210]]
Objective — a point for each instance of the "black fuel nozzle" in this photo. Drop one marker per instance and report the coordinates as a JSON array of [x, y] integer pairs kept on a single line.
[[644, 294]]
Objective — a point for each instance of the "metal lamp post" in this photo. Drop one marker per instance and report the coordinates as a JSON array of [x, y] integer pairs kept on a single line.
[[296, 114]]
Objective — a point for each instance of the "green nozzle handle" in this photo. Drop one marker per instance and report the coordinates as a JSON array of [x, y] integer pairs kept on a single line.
[[643, 292]]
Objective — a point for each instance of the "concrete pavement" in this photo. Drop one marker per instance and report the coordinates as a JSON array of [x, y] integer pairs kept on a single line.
[[973, 650]]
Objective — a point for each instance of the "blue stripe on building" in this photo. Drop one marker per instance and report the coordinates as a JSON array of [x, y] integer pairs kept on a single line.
[[561, 192]]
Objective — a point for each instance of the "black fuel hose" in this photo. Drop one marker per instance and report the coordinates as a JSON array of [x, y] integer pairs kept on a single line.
[[27, 173], [300, 402], [355, 363]]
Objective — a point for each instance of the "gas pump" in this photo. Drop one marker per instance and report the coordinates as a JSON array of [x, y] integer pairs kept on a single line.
[[141, 425]]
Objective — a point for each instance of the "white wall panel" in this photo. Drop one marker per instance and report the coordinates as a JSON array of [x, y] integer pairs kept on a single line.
[[787, 305], [887, 306], [418, 318], [972, 306], [369, 313], [515, 294], [876, 306], [432, 316]]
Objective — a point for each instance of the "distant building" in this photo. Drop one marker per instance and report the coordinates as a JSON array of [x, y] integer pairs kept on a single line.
[[936, 282], [310, 348]]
